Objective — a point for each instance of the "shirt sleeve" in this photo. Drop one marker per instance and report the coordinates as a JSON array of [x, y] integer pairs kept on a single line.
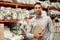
[[50, 25], [51, 29], [29, 35]]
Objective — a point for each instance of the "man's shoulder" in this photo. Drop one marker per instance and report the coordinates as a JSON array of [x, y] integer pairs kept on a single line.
[[47, 16], [32, 19]]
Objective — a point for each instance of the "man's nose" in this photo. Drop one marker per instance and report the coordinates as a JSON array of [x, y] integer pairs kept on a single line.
[[37, 10]]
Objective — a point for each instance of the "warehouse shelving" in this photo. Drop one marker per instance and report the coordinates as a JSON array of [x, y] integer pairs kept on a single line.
[[13, 4], [58, 0], [8, 4], [53, 8], [22, 5], [7, 20]]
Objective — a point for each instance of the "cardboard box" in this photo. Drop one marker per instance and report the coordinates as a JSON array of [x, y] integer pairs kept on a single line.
[[37, 31]]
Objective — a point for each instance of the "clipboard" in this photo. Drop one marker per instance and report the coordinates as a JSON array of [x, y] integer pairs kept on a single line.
[[38, 31]]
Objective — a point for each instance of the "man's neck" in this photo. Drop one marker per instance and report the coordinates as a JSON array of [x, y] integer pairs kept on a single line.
[[38, 16]]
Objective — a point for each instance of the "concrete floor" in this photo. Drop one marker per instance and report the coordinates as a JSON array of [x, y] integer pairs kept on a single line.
[[57, 36]]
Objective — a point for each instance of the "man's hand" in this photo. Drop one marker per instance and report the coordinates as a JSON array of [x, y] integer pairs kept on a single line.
[[37, 36]]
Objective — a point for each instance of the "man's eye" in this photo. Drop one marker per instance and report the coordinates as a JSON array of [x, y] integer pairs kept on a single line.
[[35, 7], [38, 7]]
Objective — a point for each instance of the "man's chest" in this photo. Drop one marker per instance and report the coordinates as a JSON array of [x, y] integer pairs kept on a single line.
[[42, 22]]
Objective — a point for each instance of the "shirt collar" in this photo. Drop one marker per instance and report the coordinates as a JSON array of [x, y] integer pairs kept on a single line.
[[39, 17]]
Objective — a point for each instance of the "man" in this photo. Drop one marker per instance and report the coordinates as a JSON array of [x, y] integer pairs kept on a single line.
[[44, 21]]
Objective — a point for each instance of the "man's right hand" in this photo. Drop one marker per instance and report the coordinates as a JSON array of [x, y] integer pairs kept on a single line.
[[37, 36]]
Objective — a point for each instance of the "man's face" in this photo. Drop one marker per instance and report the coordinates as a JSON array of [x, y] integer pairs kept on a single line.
[[37, 9]]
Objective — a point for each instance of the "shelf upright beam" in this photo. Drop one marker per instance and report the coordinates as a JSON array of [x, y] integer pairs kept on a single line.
[[17, 27]]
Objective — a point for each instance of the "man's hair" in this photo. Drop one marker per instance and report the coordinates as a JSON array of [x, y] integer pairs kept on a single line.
[[37, 3]]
